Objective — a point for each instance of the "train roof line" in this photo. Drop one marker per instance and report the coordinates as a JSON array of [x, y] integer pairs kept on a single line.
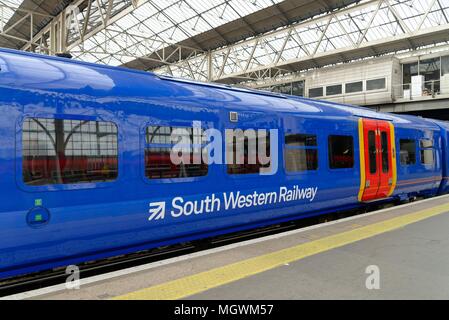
[[162, 77], [350, 109], [179, 80], [175, 79], [223, 86], [68, 60]]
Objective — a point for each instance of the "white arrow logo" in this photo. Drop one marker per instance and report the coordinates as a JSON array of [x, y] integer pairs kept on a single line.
[[157, 211]]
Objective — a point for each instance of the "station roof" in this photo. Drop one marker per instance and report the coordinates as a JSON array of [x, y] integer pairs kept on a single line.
[[243, 37], [197, 24], [13, 16], [194, 24], [360, 30], [258, 20]]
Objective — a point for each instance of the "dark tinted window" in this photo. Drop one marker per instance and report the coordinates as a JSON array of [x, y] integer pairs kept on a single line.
[[300, 140], [354, 87], [372, 152], [316, 92], [385, 152], [407, 151], [376, 84], [246, 153], [300, 152], [430, 69], [161, 142], [298, 88], [333, 90], [341, 152], [294, 88], [285, 88], [408, 71], [59, 151]]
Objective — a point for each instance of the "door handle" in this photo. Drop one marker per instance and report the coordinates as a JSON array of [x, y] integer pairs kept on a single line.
[[367, 184]]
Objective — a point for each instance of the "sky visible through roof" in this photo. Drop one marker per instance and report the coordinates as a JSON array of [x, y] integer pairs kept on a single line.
[[7, 11], [156, 24]]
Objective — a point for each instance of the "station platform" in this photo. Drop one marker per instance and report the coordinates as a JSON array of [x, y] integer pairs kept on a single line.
[[396, 253]]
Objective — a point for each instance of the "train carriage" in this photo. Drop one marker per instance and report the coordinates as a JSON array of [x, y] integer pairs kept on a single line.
[[86, 171], [444, 187]]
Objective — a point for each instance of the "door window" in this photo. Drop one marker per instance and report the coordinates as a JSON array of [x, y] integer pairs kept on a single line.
[[372, 152], [385, 153]]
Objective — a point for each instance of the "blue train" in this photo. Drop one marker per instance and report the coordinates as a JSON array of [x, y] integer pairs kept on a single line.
[[86, 173]]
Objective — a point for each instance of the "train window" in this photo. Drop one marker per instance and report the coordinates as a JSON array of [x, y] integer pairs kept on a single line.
[[427, 156], [57, 151], [341, 152], [407, 151], [316, 92], [334, 90], [426, 143], [301, 152], [300, 140], [246, 153], [385, 152], [372, 152], [190, 160], [354, 87], [376, 84], [427, 152]]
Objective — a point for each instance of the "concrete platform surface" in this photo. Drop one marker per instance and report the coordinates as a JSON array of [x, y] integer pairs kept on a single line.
[[412, 263], [402, 250]]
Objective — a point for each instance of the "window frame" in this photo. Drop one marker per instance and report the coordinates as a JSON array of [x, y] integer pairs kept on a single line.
[[143, 146], [286, 147], [62, 187], [240, 126], [320, 96], [376, 90], [385, 152], [371, 152], [427, 148], [329, 153], [354, 92], [416, 154], [341, 85]]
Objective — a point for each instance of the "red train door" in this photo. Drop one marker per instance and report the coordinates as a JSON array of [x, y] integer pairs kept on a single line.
[[371, 168], [378, 160], [385, 158]]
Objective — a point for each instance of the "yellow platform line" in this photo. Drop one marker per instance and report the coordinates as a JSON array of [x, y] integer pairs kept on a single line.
[[203, 281]]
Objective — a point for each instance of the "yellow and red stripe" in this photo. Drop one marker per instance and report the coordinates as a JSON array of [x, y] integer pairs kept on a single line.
[[362, 160], [393, 160]]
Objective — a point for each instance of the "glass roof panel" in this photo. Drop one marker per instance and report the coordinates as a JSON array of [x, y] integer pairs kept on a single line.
[[165, 23], [352, 27], [7, 9], [156, 24]]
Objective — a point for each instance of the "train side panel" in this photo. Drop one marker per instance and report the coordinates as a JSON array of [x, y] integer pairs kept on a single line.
[[445, 151], [419, 174], [96, 220], [444, 188]]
